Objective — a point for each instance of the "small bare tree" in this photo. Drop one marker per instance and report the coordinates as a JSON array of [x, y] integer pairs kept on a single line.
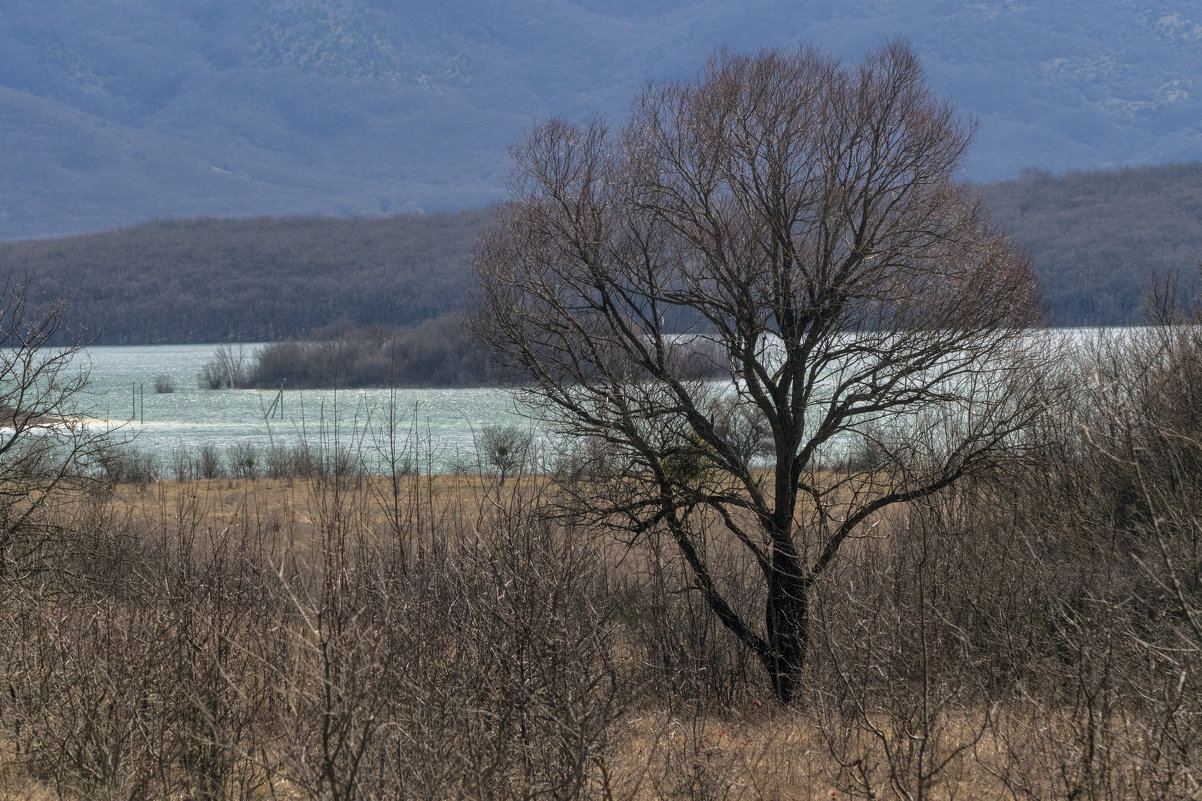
[[799, 218], [45, 448], [505, 449]]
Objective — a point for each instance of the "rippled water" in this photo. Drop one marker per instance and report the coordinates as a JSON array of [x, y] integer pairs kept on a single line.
[[440, 424]]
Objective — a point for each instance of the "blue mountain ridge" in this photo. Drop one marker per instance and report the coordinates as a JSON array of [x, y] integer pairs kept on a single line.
[[117, 111]]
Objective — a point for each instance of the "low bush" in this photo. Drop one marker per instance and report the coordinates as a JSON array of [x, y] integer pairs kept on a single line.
[[126, 464]]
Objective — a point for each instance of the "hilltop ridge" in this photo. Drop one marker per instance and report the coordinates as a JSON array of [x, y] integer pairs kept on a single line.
[[119, 112]]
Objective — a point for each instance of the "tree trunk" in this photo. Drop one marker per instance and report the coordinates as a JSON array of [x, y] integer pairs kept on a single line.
[[787, 618]]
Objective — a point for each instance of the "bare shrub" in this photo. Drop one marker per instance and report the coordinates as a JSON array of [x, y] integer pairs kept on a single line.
[[899, 705], [208, 462], [494, 642], [127, 464], [226, 370], [284, 461], [685, 655], [46, 452], [243, 459], [183, 466]]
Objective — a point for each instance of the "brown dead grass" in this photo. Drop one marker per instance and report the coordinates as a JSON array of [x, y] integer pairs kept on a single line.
[[223, 500], [761, 755], [756, 752]]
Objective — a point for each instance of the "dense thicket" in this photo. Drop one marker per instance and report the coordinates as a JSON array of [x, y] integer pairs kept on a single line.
[[439, 352], [436, 352], [250, 280]]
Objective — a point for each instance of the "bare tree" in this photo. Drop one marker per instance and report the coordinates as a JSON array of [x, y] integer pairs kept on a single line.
[[799, 218], [45, 448], [505, 449]]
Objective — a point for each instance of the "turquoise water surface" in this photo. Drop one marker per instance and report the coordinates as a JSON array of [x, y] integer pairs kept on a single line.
[[439, 425]]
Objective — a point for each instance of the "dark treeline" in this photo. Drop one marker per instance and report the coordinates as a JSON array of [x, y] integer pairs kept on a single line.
[[436, 352], [214, 280]]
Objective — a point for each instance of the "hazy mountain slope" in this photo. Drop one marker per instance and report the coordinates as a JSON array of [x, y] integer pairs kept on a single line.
[[117, 111]]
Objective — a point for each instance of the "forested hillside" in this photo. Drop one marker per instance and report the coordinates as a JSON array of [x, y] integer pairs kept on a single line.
[[1095, 238], [247, 280], [1098, 237]]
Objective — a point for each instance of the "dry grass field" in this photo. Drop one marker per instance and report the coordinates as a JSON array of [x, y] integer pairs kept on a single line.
[[445, 637]]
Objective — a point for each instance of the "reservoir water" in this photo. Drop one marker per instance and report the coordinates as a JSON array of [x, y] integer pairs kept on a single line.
[[438, 425], [437, 428]]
